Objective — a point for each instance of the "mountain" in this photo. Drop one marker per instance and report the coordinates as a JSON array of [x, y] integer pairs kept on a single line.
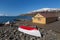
[[46, 9], [32, 13]]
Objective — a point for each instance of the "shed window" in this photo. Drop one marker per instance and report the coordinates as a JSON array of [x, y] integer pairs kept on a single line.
[[39, 18]]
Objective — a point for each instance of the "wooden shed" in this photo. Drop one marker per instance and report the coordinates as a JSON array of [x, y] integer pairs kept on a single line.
[[44, 18]]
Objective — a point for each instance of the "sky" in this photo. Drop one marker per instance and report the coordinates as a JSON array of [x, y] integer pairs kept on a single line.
[[17, 7]]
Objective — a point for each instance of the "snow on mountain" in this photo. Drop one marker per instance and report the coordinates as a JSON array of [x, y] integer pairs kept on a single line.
[[47, 9]]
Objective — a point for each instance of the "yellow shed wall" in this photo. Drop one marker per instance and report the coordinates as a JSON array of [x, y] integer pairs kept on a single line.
[[38, 18], [38, 15], [41, 21]]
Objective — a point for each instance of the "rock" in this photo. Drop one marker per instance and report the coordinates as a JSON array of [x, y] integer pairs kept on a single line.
[[11, 33]]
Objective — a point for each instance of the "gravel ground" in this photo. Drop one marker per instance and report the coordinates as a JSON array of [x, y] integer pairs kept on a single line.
[[11, 33]]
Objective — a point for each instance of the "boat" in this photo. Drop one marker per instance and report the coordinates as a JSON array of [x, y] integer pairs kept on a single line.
[[29, 30]]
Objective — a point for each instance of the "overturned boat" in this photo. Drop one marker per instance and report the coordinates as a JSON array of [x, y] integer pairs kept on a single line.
[[30, 30]]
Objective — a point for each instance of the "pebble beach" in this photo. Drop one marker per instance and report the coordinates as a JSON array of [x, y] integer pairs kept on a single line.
[[12, 33]]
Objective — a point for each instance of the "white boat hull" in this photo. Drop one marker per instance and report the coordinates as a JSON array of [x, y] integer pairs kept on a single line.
[[31, 32]]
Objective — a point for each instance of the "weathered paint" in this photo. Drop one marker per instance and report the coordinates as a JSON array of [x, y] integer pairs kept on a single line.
[[39, 19], [38, 15], [42, 21]]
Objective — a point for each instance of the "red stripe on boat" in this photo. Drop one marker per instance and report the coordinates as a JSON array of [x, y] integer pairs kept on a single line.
[[28, 28]]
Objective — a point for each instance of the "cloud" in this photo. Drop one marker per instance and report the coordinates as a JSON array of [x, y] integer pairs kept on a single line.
[[3, 14]]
